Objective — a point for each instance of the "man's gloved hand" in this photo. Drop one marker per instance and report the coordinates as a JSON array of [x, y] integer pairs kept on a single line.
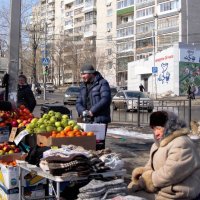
[[85, 113]]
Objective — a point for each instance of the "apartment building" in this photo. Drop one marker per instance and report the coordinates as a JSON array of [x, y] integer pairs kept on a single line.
[[112, 33]]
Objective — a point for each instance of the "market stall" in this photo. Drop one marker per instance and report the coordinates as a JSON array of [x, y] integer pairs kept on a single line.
[[51, 149]]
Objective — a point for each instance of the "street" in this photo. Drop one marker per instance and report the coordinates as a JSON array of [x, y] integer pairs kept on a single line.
[[129, 117]]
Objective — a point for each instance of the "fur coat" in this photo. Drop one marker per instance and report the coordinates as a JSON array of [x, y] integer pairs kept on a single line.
[[173, 170]]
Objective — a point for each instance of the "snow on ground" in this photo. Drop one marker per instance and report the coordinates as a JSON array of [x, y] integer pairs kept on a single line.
[[125, 132], [135, 134]]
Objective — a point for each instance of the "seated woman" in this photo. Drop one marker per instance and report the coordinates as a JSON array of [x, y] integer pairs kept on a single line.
[[173, 169]]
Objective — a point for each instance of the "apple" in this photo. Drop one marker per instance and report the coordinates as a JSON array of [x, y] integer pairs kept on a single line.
[[59, 128], [1, 152], [12, 146], [6, 148], [77, 127], [71, 123], [58, 115], [58, 124], [46, 116], [11, 151], [34, 120], [14, 123], [49, 128], [53, 119], [51, 113], [17, 150], [65, 117], [64, 122]]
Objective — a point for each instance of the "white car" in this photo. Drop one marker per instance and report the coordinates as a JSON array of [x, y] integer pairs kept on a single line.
[[50, 87], [128, 100]]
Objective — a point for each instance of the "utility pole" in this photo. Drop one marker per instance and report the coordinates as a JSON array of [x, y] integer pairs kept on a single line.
[[154, 62], [13, 66]]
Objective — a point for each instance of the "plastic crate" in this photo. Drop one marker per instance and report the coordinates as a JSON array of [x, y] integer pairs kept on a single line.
[[45, 108]]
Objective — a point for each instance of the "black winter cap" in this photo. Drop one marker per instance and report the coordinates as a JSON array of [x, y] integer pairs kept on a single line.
[[87, 69], [158, 118]]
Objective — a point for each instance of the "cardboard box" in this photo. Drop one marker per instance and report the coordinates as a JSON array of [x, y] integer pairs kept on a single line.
[[9, 175], [4, 134], [87, 142], [29, 192], [98, 129]]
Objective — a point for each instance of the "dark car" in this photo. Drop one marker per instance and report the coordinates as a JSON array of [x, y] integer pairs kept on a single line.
[[71, 95], [128, 100]]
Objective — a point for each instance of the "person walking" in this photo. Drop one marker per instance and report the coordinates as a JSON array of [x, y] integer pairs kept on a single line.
[[25, 95], [142, 89], [95, 98], [173, 169]]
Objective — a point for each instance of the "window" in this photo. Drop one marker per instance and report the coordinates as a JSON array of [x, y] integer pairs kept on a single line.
[[168, 22], [168, 39], [128, 31], [145, 12], [144, 28], [168, 6], [144, 43], [109, 51], [109, 12], [109, 65], [109, 25], [124, 3], [126, 19], [90, 16], [143, 1], [109, 38], [78, 2], [125, 46]]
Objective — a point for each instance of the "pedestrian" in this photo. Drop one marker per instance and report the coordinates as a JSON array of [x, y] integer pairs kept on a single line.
[[94, 99], [25, 95], [142, 89], [191, 91], [173, 169]]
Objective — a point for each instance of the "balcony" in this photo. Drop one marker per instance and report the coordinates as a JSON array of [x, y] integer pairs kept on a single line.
[[144, 4], [91, 32], [125, 11], [51, 1], [51, 16], [89, 6], [124, 25], [68, 1]]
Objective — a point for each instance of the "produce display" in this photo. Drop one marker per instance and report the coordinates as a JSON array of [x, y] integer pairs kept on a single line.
[[17, 118], [59, 125], [6, 148]]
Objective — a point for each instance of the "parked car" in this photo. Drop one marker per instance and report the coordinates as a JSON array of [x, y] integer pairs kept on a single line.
[[113, 91], [50, 87], [71, 95], [128, 100]]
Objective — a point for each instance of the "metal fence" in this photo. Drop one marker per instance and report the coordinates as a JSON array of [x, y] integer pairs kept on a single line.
[[140, 117]]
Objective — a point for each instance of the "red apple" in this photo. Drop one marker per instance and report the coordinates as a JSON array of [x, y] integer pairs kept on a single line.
[[17, 150]]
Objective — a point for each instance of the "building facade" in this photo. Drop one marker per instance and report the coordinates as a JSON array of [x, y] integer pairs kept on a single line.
[[177, 67], [112, 33]]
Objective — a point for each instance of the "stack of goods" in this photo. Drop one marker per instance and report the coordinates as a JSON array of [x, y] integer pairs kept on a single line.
[[59, 163], [99, 190]]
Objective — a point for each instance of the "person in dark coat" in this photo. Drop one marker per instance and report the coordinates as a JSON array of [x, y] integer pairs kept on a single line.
[[95, 97], [25, 95], [142, 89]]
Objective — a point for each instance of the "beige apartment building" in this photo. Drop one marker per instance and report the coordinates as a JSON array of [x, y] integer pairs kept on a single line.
[[112, 33]]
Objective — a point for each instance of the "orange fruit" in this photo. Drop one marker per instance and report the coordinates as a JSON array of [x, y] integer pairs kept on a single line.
[[67, 128], [90, 133]]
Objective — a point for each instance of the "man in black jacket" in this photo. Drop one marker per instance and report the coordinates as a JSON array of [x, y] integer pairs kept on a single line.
[[95, 97], [25, 95]]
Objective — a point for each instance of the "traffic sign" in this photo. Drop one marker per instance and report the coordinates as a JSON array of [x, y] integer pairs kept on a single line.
[[154, 70], [45, 61]]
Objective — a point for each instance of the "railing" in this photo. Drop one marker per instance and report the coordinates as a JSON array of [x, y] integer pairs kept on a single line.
[[140, 117]]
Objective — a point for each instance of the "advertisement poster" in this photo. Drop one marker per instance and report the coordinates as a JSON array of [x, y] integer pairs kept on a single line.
[[189, 73]]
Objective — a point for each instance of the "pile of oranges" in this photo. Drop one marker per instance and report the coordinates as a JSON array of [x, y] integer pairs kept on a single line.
[[9, 163], [70, 132]]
